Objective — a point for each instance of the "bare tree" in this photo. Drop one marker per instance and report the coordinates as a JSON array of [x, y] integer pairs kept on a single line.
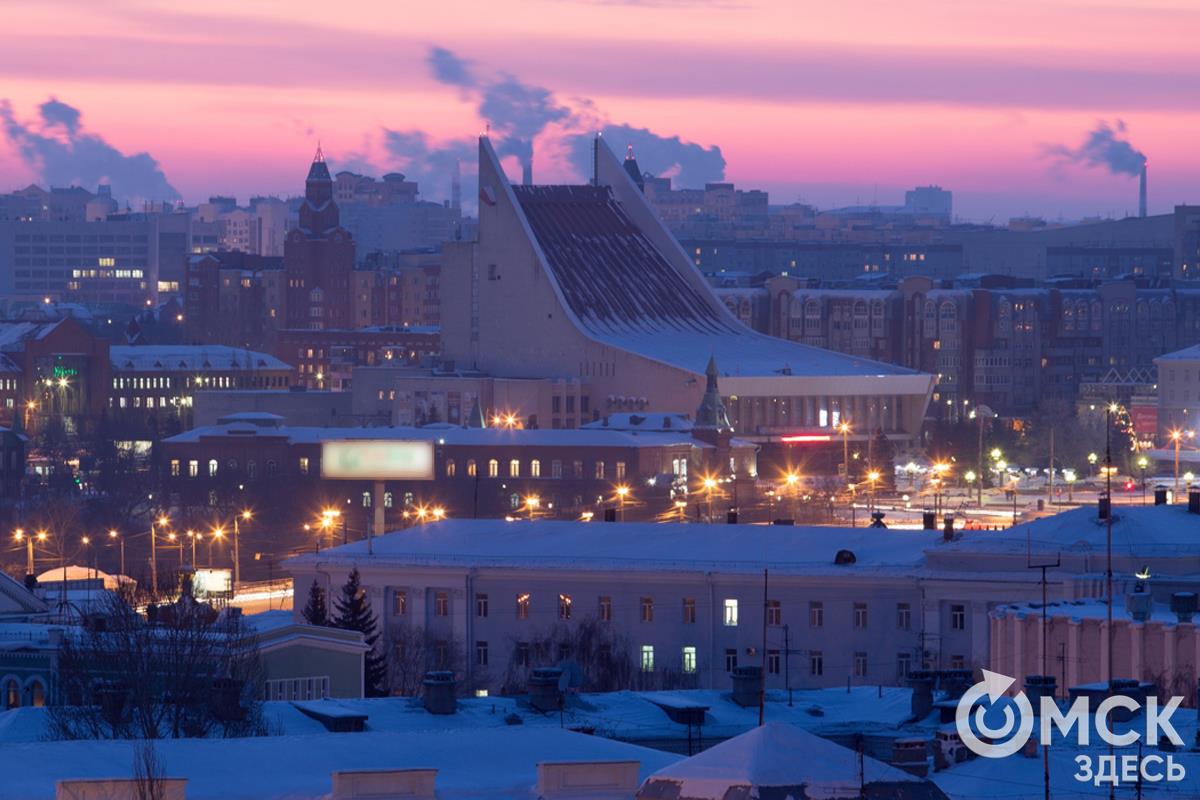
[[413, 651], [603, 655], [186, 671], [148, 772]]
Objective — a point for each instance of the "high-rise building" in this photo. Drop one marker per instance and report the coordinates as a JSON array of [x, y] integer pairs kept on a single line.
[[318, 257]]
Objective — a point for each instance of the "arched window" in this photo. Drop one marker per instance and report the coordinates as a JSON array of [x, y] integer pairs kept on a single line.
[[470, 468], [37, 694], [12, 693], [272, 468], [212, 468], [387, 499], [535, 468], [493, 468], [450, 467], [514, 468], [251, 469], [366, 499]]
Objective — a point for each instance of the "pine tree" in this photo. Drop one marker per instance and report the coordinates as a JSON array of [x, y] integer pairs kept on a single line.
[[354, 613], [317, 611]]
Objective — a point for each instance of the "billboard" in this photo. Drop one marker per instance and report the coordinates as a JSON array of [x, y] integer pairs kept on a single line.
[[377, 460]]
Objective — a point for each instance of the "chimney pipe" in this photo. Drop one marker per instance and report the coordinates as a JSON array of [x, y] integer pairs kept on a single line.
[[527, 173], [1142, 193]]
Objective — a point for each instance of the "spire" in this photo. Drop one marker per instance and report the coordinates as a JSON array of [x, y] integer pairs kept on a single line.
[[711, 414], [319, 158], [632, 168]]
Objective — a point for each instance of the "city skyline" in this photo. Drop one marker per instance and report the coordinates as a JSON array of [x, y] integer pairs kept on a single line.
[[987, 102]]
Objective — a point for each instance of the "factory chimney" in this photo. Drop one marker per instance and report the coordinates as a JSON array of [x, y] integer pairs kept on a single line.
[[527, 171], [1142, 193]]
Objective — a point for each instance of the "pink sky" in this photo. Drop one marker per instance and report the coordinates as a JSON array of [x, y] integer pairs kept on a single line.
[[831, 102]]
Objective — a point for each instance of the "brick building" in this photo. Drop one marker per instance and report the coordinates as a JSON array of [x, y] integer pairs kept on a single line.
[[318, 258]]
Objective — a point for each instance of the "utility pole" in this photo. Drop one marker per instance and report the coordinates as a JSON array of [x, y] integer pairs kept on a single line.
[[1109, 572], [1052, 466], [153, 561], [762, 692], [1043, 566]]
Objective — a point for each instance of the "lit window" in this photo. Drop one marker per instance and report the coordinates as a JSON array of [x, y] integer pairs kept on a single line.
[[514, 468], [535, 468], [731, 611], [193, 468], [493, 468], [450, 467], [647, 658], [303, 465], [212, 468], [689, 660], [470, 468], [175, 467]]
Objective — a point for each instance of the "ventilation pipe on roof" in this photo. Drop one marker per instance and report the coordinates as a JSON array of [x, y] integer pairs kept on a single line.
[[1193, 500], [1160, 495]]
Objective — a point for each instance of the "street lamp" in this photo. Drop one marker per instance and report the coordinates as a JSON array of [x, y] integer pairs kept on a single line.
[[237, 559], [622, 492], [193, 536], [1070, 477], [844, 429], [163, 522], [217, 533], [113, 534], [532, 502], [1142, 463], [709, 484], [680, 506], [873, 476]]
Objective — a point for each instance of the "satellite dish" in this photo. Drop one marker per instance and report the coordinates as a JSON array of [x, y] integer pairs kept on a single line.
[[571, 678]]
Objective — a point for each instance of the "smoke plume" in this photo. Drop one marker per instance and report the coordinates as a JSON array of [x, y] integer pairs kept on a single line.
[[1104, 147], [62, 153], [432, 166], [686, 163]]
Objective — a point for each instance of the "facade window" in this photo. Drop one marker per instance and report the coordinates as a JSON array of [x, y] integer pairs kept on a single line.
[[647, 658], [860, 665], [731, 612], [689, 610], [903, 665], [514, 468], [303, 465], [599, 470], [523, 605], [450, 467], [388, 500], [556, 469], [493, 468], [471, 469], [399, 603], [774, 612], [730, 659], [577, 469], [535, 468], [174, 467], [689, 660], [816, 663], [647, 609], [620, 470], [481, 654], [441, 604], [816, 614], [193, 468], [605, 612], [251, 469], [958, 662], [564, 606], [958, 618], [773, 661], [523, 654], [366, 499], [903, 616], [481, 605], [860, 616]]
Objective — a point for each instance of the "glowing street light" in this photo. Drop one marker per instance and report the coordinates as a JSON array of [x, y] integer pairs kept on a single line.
[[532, 503], [622, 492], [237, 559]]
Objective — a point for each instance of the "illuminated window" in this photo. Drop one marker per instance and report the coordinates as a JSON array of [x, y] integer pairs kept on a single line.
[[303, 465], [175, 467], [450, 467], [535, 468], [647, 658], [514, 468], [212, 468], [731, 612], [471, 468], [689, 660], [493, 468], [193, 468], [107, 262]]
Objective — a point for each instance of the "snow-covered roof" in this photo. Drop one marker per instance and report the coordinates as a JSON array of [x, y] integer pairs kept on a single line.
[[648, 421], [490, 764], [446, 434], [145, 358], [587, 546], [1186, 354], [784, 757], [13, 335]]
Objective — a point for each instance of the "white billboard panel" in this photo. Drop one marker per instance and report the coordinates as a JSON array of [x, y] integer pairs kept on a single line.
[[377, 460]]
